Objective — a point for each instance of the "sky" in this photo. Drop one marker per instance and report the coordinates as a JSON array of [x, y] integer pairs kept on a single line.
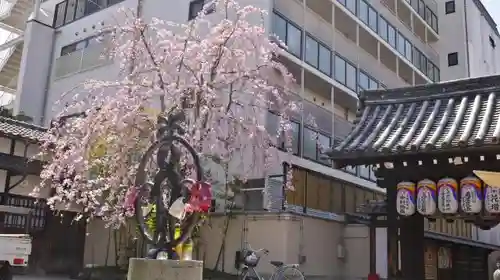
[[493, 6]]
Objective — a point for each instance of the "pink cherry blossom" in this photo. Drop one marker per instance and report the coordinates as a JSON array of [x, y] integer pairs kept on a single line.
[[219, 68]]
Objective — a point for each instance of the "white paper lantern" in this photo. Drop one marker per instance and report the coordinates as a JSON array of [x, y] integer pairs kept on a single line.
[[492, 199], [405, 198], [426, 197], [447, 196], [471, 195]]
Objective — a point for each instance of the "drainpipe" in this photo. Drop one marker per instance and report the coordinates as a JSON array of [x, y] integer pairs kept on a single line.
[[47, 83], [466, 38]]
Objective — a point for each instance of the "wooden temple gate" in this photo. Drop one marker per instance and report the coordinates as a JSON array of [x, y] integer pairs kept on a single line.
[[424, 144]]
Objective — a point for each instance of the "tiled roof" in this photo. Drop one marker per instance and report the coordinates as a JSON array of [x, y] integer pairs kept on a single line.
[[444, 116], [14, 128]]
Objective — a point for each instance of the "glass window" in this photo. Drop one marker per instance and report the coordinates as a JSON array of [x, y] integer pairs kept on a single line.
[[279, 27], [351, 5], [408, 50], [60, 11], [312, 51], [92, 7], [325, 60], [323, 144], [382, 31], [70, 12], [295, 138], [430, 70], [363, 11], [80, 9], [309, 146], [416, 58], [423, 64], [363, 81], [350, 76], [435, 22], [401, 44], [372, 19], [437, 76], [373, 84], [391, 35], [293, 39], [342, 2], [421, 8], [272, 126], [340, 70], [364, 172]]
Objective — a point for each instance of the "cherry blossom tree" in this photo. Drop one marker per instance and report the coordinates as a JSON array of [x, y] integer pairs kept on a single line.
[[219, 68]]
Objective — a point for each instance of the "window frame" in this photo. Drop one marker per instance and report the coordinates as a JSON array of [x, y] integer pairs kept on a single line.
[[452, 59], [329, 52], [449, 7], [203, 3], [65, 4], [316, 55]]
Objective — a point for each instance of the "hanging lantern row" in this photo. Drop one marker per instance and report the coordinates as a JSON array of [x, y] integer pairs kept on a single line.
[[447, 196]]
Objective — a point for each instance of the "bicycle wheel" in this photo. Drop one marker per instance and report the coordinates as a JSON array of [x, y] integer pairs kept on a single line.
[[152, 193], [288, 272]]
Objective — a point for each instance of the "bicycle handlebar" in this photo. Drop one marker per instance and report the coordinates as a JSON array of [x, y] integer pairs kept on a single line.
[[258, 251]]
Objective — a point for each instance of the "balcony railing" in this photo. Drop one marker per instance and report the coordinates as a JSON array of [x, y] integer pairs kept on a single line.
[[80, 60]]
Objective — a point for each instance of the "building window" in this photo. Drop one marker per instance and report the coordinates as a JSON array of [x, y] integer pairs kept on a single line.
[[449, 7], [452, 59], [391, 35], [279, 27], [492, 42], [363, 11], [340, 69], [71, 10], [351, 6], [372, 18], [311, 51], [294, 39], [325, 60], [365, 82], [196, 6], [382, 31]]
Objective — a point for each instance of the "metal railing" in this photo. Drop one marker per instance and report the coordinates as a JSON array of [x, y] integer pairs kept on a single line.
[[6, 8], [80, 60], [6, 54]]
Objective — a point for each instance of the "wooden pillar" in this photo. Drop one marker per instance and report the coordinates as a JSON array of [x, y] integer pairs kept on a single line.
[[373, 245], [392, 228], [411, 235]]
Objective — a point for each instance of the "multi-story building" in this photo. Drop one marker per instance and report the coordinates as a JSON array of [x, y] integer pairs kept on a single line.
[[471, 50], [336, 48]]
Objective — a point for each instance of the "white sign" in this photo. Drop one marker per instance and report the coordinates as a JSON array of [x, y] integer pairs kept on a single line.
[[426, 197], [470, 195], [405, 198], [447, 196], [492, 199]]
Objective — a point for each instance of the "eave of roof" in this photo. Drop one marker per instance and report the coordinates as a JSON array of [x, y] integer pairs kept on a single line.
[[18, 129], [430, 118]]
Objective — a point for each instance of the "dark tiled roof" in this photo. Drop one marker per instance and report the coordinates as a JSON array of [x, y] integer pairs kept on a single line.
[[444, 116], [14, 128]]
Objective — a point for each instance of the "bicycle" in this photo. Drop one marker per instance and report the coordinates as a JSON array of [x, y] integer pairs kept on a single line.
[[249, 259], [170, 177]]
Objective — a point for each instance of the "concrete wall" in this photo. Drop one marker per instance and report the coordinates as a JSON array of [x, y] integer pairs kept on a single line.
[[327, 249]]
